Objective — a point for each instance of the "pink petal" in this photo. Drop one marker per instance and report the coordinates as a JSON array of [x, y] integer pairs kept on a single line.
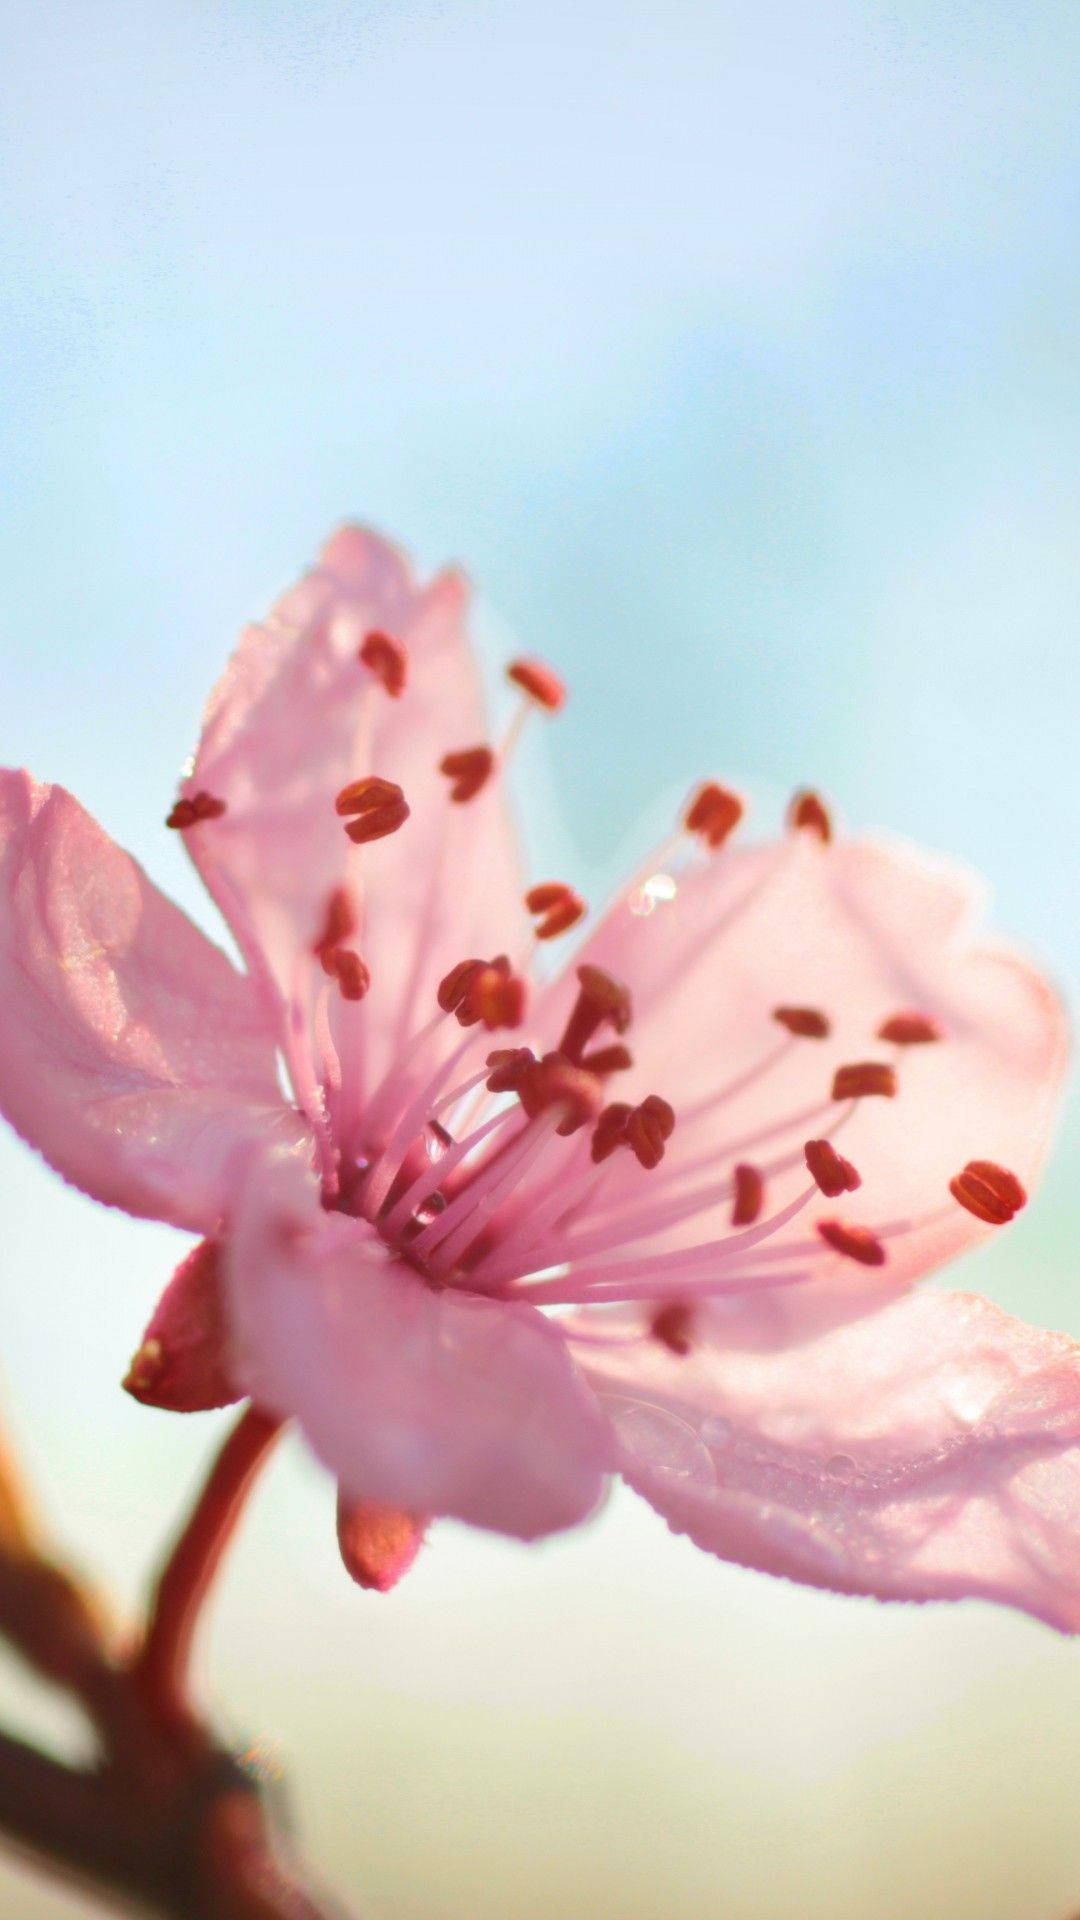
[[295, 718], [132, 1054], [857, 929], [378, 1544], [441, 1403], [183, 1361], [929, 1450]]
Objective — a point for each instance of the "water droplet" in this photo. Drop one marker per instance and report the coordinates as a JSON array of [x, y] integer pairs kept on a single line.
[[652, 892], [841, 1467], [430, 1208], [659, 1439], [716, 1430], [436, 1139]]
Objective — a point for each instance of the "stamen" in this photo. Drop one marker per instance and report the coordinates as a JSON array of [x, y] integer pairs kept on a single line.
[[554, 1082], [540, 682], [713, 814], [988, 1191], [484, 990], [862, 1077], [559, 906], [648, 1130], [339, 922], [388, 661], [467, 770], [600, 1000], [910, 1030], [806, 1022], [749, 1195], [607, 1060], [672, 1326], [833, 1174], [200, 806], [808, 812], [610, 1130], [379, 805], [508, 1068], [857, 1243], [350, 972]]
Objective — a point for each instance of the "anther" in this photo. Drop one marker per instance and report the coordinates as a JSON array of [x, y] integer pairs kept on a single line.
[[200, 806], [909, 1030], [467, 771], [508, 1067], [605, 1060], [388, 661], [806, 1022], [558, 906], [857, 1243], [601, 1001], [540, 682], [672, 1326], [988, 1191], [347, 968], [808, 812], [483, 990], [610, 1130], [339, 922], [713, 813], [749, 1196], [831, 1172], [863, 1077], [648, 1130], [554, 1082], [379, 805]]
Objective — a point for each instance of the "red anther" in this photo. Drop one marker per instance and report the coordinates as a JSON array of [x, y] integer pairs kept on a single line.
[[749, 1196], [672, 1327], [713, 813], [453, 988], [862, 1077], [559, 906], [909, 1030], [601, 1000], [540, 682], [554, 1082], [605, 1060], [649, 1127], [496, 997], [858, 1243], [379, 805], [467, 771], [610, 1129], [831, 1172], [388, 661], [508, 1067], [347, 968], [988, 1191], [808, 811], [200, 806], [339, 922], [807, 1022]]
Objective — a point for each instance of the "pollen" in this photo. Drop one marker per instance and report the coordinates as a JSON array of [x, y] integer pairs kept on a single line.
[[467, 771], [713, 814], [862, 1077], [856, 1243], [988, 1191], [672, 1325], [830, 1171], [910, 1030], [749, 1196], [387, 660], [559, 908], [379, 806], [806, 1022], [540, 682], [808, 813], [199, 806]]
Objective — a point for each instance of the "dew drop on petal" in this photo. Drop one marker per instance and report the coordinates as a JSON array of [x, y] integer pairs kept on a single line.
[[658, 888], [661, 1440], [841, 1467]]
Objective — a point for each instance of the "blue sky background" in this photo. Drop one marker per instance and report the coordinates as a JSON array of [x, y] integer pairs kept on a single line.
[[733, 347]]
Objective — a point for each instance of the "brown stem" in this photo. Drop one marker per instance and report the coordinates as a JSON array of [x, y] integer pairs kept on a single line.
[[161, 1668]]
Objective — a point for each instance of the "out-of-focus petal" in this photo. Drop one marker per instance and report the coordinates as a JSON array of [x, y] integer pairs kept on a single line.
[[928, 1450], [132, 1053], [183, 1360], [298, 716], [438, 1402], [860, 931]]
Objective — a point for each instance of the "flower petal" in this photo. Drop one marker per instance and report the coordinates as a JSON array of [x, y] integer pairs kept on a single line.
[[927, 1450], [132, 1054], [441, 1403], [297, 717], [855, 930]]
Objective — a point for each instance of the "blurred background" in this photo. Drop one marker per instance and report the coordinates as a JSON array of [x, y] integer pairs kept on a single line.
[[733, 348]]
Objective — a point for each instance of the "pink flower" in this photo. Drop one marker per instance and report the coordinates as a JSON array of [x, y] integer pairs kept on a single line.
[[661, 1211]]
